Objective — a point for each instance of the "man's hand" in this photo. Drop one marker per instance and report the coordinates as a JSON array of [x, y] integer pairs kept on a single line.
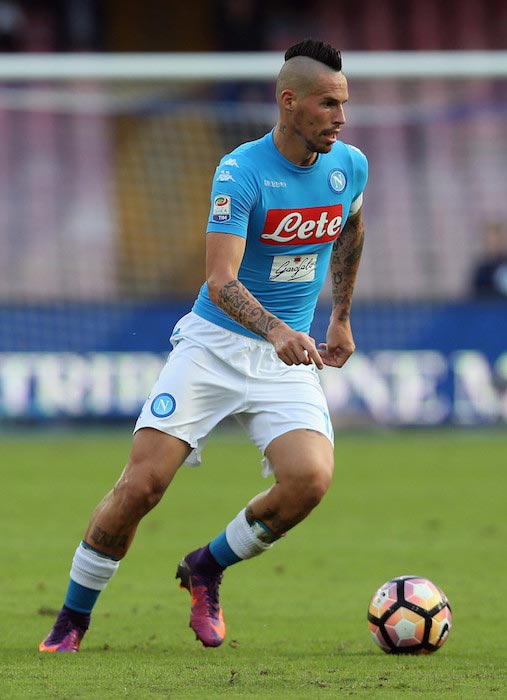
[[339, 346], [295, 348]]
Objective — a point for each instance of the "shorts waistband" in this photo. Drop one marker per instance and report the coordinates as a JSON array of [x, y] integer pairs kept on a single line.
[[246, 339]]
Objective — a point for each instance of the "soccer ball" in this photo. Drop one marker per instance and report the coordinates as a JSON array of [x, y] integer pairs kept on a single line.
[[409, 615]]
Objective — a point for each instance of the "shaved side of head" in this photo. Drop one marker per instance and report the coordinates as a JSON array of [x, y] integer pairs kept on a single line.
[[300, 75], [304, 63]]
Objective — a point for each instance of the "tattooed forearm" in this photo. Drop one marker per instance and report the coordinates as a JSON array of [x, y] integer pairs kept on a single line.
[[235, 299], [344, 265]]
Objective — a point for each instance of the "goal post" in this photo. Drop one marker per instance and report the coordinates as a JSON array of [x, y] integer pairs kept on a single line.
[[218, 66]]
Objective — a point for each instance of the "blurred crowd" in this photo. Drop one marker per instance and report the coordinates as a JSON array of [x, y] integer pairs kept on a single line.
[[250, 25], [456, 138], [489, 278], [51, 25]]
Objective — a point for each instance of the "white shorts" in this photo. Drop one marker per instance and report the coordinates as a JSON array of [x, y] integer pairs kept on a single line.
[[212, 373]]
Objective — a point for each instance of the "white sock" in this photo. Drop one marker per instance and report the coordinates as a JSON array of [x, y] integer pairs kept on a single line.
[[92, 570], [246, 540]]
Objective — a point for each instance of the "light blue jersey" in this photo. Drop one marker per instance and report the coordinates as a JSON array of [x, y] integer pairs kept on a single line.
[[290, 216]]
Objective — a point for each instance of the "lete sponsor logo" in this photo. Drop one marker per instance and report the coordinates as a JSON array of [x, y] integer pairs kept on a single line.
[[302, 226]]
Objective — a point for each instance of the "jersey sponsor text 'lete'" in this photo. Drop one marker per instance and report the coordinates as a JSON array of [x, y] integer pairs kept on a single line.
[[309, 225]]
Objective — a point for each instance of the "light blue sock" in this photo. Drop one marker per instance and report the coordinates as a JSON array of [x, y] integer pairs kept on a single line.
[[80, 598], [221, 551]]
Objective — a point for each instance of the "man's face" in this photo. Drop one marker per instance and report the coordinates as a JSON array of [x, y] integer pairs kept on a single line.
[[319, 115]]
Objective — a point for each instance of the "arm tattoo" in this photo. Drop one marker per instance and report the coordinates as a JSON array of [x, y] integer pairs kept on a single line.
[[345, 259], [243, 307]]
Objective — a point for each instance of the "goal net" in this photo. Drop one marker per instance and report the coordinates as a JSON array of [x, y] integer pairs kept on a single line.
[[106, 165]]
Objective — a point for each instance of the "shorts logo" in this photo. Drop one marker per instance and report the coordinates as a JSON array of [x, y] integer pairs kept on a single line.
[[337, 180], [163, 405], [222, 208]]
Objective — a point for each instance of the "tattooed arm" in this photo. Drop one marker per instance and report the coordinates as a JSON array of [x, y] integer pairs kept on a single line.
[[224, 253], [344, 265]]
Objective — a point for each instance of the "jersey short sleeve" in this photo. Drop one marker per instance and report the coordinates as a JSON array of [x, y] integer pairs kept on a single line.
[[234, 194], [360, 172]]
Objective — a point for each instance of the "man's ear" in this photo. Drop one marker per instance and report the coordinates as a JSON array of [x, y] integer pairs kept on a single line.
[[288, 100]]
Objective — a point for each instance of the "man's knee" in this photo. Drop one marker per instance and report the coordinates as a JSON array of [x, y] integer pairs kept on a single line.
[[153, 461], [316, 484], [311, 484], [303, 487], [137, 494], [305, 458]]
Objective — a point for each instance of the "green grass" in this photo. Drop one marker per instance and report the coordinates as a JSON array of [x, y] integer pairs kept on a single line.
[[432, 504]]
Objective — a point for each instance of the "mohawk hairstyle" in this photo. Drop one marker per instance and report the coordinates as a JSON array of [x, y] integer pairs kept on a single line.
[[318, 50]]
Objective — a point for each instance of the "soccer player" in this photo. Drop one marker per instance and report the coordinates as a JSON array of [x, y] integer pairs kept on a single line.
[[284, 210]]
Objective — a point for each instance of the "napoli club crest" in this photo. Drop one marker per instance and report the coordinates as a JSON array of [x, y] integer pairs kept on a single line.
[[163, 405], [337, 180]]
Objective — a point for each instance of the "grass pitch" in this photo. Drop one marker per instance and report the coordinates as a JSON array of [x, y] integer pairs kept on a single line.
[[429, 504]]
